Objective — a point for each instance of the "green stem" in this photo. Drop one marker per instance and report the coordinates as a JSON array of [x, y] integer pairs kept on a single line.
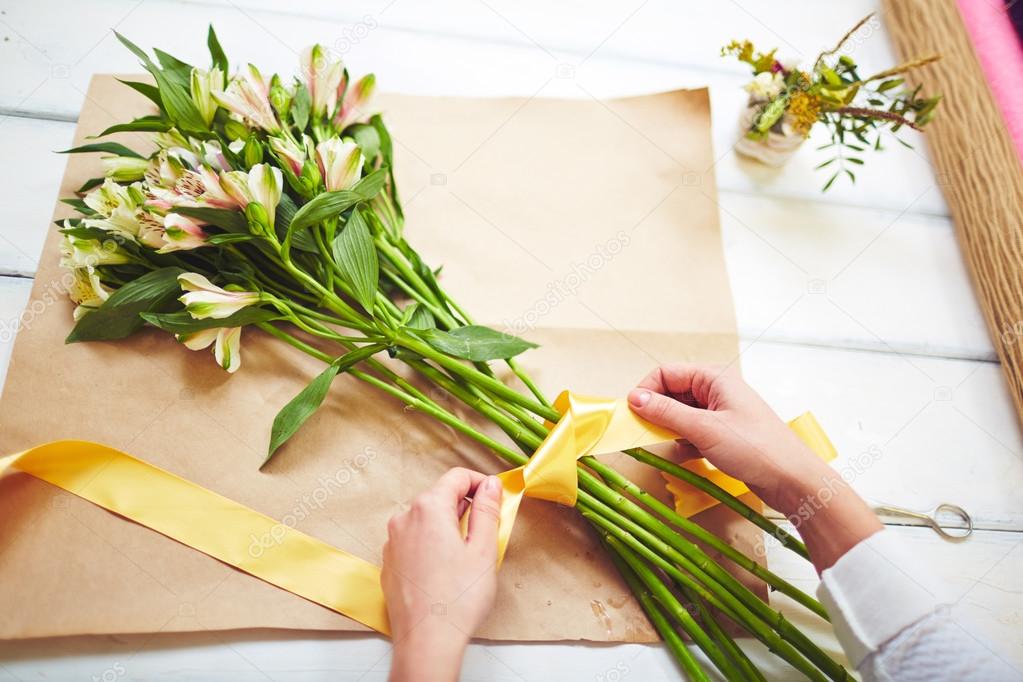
[[722, 496], [692, 668], [672, 605]]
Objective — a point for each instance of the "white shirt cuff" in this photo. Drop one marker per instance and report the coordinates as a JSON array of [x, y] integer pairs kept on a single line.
[[876, 590]]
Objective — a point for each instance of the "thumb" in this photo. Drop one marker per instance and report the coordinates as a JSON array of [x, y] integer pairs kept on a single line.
[[485, 513], [688, 422]]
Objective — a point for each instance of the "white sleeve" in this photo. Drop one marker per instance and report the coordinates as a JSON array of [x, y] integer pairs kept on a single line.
[[892, 620]]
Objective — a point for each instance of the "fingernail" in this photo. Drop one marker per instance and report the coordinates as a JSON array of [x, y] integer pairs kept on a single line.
[[491, 485], [639, 398]]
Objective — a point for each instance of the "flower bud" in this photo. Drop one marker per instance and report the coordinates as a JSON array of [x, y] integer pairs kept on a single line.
[[124, 168], [280, 98], [311, 176], [259, 221], [235, 130], [252, 153]]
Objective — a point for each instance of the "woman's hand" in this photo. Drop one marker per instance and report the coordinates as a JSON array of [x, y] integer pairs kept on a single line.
[[721, 418], [440, 586]]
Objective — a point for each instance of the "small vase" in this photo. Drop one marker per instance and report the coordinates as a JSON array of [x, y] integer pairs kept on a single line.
[[775, 149]]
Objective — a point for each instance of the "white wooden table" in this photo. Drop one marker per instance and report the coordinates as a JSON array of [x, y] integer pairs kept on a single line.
[[854, 303]]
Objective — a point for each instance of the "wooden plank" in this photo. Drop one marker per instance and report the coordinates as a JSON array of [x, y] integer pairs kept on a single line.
[[28, 188], [802, 271], [50, 69]]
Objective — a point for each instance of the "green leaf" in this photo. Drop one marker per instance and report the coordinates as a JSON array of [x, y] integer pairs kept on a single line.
[[826, 163], [175, 69], [148, 90], [230, 238], [109, 147], [120, 315], [145, 124], [175, 95], [79, 206], [302, 406], [89, 184], [300, 106], [417, 316], [224, 218], [369, 186], [356, 255], [216, 51], [831, 181], [321, 207], [889, 84], [476, 343], [368, 139], [182, 322]]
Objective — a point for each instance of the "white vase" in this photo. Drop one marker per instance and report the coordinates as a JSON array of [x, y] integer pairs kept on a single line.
[[775, 149]]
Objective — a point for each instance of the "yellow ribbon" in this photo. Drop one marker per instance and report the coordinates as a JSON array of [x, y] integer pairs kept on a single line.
[[690, 500], [301, 564]]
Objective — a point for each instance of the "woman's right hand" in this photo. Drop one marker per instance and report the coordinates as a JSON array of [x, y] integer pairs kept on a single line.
[[721, 418]]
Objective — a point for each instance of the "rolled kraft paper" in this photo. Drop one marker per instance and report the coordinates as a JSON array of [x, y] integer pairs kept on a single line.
[[1001, 56], [977, 167]]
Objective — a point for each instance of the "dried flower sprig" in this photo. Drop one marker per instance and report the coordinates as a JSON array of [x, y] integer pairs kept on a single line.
[[857, 110], [272, 205]]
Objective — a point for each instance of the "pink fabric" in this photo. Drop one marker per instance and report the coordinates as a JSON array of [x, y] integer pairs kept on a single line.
[[1001, 56]]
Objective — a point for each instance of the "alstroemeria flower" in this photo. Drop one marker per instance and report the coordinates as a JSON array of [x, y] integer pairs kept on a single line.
[[202, 84], [340, 163], [106, 198], [247, 96], [214, 193], [227, 350], [354, 102], [87, 291], [150, 230], [77, 252], [262, 184], [266, 186], [124, 168], [323, 76], [287, 151], [181, 233], [203, 299]]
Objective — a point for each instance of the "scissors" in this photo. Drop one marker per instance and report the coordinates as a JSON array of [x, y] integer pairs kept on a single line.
[[930, 518]]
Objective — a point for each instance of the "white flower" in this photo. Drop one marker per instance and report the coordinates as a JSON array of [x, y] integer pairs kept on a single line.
[[262, 184], [354, 102], [340, 163], [323, 77], [111, 195], [77, 252], [247, 97], [181, 233], [214, 193], [124, 168], [87, 291], [288, 152], [227, 350], [266, 186], [202, 85], [766, 85], [203, 299]]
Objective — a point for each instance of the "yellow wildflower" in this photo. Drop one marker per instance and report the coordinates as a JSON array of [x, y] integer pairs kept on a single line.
[[804, 110]]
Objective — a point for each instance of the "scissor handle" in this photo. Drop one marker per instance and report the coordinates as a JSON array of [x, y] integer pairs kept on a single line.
[[931, 519], [961, 533]]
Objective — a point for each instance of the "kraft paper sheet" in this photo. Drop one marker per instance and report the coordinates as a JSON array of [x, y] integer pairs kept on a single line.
[[590, 228]]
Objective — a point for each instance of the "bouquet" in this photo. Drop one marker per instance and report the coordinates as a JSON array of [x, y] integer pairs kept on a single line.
[[786, 102], [272, 206]]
